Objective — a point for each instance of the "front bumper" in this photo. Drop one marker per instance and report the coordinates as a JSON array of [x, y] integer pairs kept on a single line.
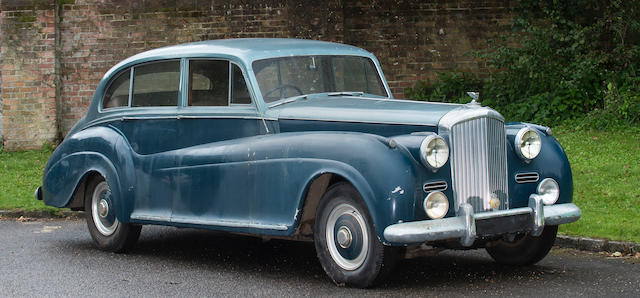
[[468, 226]]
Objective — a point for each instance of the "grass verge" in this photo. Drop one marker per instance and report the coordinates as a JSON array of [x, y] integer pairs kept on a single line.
[[20, 175], [606, 180], [606, 175]]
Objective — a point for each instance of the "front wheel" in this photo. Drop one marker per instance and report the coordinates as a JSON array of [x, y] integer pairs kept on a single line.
[[346, 243], [525, 249], [107, 232]]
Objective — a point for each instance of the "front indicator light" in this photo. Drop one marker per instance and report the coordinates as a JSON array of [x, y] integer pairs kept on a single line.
[[549, 191], [436, 205]]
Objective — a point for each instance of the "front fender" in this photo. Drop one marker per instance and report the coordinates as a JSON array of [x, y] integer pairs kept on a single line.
[[551, 162], [385, 175]]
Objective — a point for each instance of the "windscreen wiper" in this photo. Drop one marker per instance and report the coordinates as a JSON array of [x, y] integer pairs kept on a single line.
[[346, 93], [290, 99]]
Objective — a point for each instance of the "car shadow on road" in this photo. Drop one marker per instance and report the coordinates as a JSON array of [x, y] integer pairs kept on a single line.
[[296, 261]]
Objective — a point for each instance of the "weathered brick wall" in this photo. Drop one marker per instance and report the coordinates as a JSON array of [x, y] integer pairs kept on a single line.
[[27, 75], [416, 39], [411, 38]]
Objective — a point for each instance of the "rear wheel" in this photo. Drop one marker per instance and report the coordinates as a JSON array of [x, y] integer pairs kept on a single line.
[[346, 243], [107, 232], [525, 249]]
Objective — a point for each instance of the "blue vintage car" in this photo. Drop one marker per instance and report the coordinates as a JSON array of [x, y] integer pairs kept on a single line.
[[303, 140]]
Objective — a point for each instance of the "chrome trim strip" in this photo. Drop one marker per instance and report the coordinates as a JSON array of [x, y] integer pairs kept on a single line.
[[225, 117], [124, 118], [435, 186], [405, 100], [231, 224], [466, 113], [528, 177], [462, 227], [147, 217], [120, 118], [354, 121], [221, 223]]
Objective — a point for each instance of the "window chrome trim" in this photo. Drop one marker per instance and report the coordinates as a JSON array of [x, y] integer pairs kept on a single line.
[[130, 88], [176, 117]]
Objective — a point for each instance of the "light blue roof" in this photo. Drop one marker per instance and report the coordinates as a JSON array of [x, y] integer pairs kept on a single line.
[[245, 50]]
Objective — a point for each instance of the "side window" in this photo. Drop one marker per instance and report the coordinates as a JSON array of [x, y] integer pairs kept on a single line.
[[156, 84], [117, 94], [239, 91], [208, 83]]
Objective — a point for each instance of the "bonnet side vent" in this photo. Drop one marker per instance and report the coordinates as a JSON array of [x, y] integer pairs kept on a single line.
[[530, 177], [435, 186]]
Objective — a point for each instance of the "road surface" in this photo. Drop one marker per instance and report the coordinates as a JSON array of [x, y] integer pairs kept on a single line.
[[57, 258]]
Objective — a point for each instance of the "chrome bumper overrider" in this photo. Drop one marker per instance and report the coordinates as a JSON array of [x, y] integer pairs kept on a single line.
[[463, 226]]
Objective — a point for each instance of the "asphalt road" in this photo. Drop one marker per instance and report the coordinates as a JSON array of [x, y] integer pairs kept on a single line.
[[57, 258]]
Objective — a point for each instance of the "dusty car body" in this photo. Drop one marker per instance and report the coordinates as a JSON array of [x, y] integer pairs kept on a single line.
[[303, 140]]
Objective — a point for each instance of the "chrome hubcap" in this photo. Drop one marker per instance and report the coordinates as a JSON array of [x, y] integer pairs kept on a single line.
[[344, 237], [105, 221], [103, 208], [347, 237]]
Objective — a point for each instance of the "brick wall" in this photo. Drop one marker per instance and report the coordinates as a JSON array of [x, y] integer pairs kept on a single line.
[[412, 39], [27, 75]]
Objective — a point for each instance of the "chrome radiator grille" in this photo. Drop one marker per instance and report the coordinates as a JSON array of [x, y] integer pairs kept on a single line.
[[479, 164]]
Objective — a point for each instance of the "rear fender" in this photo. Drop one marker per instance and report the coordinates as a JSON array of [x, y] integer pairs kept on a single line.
[[99, 150]]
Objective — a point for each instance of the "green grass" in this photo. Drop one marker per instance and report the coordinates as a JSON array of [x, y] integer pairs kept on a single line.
[[606, 173], [606, 181], [20, 175]]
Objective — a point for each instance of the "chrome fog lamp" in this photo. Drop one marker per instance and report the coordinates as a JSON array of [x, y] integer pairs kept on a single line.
[[434, 151], [436, 205], [528, 143], [549, 191]]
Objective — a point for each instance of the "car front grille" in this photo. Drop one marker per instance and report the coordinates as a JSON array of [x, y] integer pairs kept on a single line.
[[479, 163]]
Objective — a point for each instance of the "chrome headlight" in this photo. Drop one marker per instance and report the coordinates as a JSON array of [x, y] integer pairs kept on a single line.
[[528, 143], [436, 205], [549, 191], [434, 151]]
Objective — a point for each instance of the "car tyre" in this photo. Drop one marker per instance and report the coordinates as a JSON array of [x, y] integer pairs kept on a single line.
[[345, 240], [524, 250], [108, 233]]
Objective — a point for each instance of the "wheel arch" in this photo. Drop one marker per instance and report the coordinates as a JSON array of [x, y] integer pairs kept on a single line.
[[314, 191]]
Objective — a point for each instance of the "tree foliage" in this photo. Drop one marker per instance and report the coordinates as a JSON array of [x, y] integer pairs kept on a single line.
[[564, 60]]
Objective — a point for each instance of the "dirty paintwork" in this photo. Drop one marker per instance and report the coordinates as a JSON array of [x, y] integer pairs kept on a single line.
[[249, 168]]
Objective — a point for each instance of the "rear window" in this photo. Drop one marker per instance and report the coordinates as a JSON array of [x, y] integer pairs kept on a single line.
[[117, 94]]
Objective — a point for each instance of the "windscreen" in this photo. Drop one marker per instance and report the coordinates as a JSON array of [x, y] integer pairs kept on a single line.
[[292, 76]]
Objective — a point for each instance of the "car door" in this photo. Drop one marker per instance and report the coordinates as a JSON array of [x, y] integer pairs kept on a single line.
[[217, 123], [146, 111]]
